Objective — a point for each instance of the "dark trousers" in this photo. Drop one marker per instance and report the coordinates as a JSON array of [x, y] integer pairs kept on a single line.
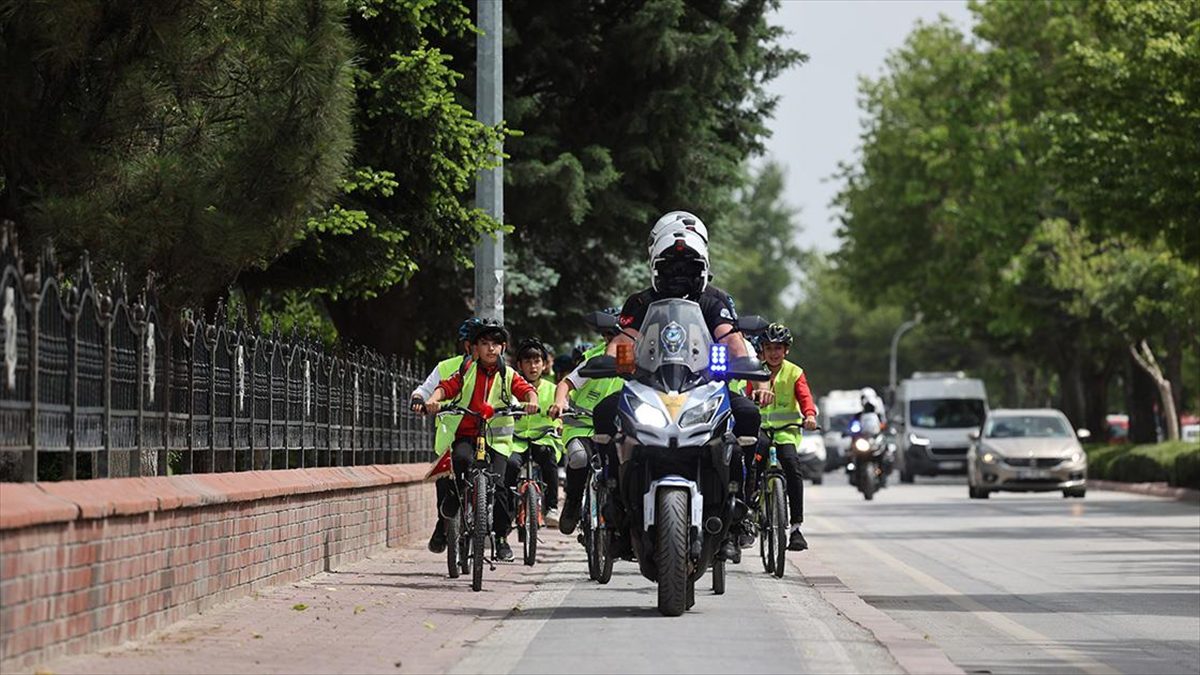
[[462, 458], [789, 461], [546, 459]]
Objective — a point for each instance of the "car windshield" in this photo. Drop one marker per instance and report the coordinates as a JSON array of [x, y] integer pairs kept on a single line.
[[840, 423], [1026, 426], [946, 413]]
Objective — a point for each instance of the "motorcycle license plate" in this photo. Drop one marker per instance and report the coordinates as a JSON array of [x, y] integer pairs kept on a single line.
[[1032, 474], [950, 465]]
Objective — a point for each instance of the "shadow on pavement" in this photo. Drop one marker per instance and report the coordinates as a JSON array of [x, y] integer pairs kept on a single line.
[[1149, 604]]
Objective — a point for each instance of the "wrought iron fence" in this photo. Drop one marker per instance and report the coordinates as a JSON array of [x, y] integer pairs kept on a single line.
[[97, 384]]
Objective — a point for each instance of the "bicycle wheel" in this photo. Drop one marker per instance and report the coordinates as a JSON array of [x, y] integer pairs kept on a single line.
[[481, 529], [779, 533], [453, 534], [533, 509], [589, 532], [766, 540], [603, 546]]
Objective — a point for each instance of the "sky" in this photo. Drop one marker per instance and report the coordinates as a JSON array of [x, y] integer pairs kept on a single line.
[[817, 121]]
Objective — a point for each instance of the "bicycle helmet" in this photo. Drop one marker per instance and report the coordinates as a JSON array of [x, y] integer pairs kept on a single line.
[[531, 347], [490, 327], [674, 222], [679, 264], [777, 332], [466, 328]]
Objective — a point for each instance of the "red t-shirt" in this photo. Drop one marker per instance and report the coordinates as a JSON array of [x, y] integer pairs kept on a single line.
[[803, 395], [469, 427]]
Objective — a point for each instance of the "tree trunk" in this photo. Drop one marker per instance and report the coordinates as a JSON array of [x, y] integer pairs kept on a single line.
[[1070, 381], [1144, 357]]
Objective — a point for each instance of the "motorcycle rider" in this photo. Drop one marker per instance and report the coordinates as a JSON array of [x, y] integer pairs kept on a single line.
[[679, 268], [532, 359], [585, 393], [793, 404], [490, 385], [444, 434]]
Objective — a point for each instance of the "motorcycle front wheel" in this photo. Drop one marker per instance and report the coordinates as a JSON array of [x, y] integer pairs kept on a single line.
[[867, 481], [671, 551]]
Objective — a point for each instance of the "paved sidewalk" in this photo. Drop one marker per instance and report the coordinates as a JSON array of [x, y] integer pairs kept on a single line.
[[396, 612]]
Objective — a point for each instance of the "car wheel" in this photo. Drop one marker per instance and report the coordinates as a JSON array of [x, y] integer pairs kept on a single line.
[[905, 476], [1077, 493], [977, 493], [818, 479]]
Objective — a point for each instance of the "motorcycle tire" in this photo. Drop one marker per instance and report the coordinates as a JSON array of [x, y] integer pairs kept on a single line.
[[482, 527], [779, 533], [866, 481], [453, 535], [671, 551], [718, 576]]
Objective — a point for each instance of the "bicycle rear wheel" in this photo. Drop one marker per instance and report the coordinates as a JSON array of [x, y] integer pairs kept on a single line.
[[779, 532], [453, 535], [603, 546], [587, 523], [481, 528], [766, 541]]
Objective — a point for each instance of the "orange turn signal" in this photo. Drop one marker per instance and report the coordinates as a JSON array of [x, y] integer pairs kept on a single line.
[[626, 363]]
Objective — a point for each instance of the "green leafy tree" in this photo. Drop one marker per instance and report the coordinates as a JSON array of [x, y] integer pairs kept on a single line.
[[193, 139], [625, 111]]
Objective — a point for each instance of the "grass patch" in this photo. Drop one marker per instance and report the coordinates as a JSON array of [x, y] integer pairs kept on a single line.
[[1176, 463]]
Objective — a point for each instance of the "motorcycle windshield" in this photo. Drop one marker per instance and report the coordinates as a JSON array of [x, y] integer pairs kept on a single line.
[[676, 338]]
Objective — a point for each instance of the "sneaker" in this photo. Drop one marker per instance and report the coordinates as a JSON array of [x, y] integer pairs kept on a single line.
[[503, 550], [730, 552], [552, 516], [569, 517], [796, 541], [746, 537], [437, 543]]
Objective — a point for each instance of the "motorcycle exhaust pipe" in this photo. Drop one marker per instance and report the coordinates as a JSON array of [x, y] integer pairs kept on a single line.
[[713, 525]]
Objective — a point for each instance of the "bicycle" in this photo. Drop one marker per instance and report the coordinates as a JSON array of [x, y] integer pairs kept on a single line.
[[596, 533], [771, 504], [466, 534], [529, 491]]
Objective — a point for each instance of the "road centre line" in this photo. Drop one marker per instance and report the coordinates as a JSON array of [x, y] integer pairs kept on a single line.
[[982, 612]]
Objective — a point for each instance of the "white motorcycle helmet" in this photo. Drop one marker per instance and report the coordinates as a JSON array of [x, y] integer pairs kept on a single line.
[[677, 221], [679, 264]]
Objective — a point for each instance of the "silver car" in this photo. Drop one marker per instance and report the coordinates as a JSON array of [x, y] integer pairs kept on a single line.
[[1031, 450]]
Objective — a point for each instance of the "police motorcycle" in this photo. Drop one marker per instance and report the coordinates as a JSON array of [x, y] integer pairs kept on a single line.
[[870, 452], [674, 442]]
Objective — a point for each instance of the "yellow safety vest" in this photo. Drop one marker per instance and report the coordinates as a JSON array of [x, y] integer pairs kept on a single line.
[[446, 426], [786, 409], [499, 428], [532, 424], [592, 392]]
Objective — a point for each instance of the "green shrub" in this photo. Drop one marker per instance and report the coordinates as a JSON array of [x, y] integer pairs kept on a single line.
[[1177, 463], [1187, 469]]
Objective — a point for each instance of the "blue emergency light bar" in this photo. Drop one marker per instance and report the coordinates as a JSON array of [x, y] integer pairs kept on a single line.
[[718, 360]]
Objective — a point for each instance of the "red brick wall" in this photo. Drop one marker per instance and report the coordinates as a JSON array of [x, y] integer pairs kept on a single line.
[[90, 564]]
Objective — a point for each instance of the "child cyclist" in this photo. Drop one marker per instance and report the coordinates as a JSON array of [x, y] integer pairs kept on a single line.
[[445, 431], [793, 404], [485, 385], [533, 359]]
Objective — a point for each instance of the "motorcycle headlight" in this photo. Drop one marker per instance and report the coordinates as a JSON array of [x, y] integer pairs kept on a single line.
[[862, 444], [701, 414], [648, 415]]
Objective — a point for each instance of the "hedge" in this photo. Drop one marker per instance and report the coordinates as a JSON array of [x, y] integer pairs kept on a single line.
[[1176, 463]]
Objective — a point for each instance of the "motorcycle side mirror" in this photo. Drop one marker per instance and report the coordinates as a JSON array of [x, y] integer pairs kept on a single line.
[[1083, 434], [599, 367], [747, 368], [752, 323], [601, 322]]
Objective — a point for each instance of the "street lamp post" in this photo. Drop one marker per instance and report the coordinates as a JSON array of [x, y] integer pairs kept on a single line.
[[489, 184], [904, 328]]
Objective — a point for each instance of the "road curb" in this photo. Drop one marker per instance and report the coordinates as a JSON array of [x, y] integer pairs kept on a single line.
[[1150, 489], [911, 652]]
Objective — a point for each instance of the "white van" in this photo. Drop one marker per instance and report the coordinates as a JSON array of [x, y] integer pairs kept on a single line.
[[933, 415]]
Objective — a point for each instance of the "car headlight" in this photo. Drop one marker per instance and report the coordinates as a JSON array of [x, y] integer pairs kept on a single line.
[[1076, 457], [648, 415], [989, 458], [701, 414], [914, 439], [862, 444]]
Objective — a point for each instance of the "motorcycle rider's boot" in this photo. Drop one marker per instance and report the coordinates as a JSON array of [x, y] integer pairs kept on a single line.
[[437, 542], [796, 541], [569, 518]]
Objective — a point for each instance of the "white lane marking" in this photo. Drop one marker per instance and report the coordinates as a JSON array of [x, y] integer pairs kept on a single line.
[[505, 646], [977, 609]]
